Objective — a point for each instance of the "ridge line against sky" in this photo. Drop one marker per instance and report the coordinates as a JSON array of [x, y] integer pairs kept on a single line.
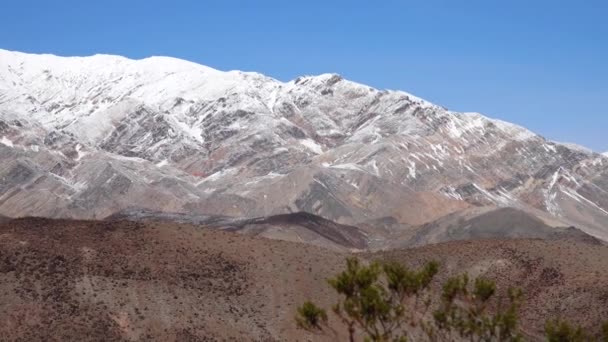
[[538, 64]]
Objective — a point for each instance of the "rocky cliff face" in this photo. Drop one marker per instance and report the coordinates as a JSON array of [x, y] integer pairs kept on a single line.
[[88, 137]]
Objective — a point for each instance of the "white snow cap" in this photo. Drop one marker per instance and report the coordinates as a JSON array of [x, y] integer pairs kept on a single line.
[[575, 147], [516, 131]]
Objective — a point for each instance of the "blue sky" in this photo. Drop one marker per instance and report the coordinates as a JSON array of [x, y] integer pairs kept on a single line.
[[538, 63]]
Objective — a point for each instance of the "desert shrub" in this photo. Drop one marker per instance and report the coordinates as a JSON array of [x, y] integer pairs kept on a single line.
[[389, 302], [562, 331], [309, 316]]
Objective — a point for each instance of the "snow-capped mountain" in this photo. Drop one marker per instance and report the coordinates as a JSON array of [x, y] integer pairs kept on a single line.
[[86, 137]]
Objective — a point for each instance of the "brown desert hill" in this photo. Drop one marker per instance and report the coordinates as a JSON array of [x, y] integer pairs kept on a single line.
[[499, 223], [141, 281], [120, 281], [305, 227], [560, 278], [297, 227], [480, 223]]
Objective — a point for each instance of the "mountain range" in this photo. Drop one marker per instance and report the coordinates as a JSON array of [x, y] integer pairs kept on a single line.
[[106, 136]]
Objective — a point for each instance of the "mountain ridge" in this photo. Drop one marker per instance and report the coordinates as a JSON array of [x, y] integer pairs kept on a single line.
[[88, 137]]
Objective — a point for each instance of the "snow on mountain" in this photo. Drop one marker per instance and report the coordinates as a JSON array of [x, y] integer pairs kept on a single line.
[[576, 147], [85, 94], [89, 136]]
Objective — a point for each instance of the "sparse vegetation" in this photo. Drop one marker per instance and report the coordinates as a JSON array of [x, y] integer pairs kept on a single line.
[[562, 331], [463, 312], [311, 316], [378, 306], [388, 302]]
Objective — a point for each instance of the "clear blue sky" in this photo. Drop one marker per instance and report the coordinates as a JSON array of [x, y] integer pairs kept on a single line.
[[538, 63]]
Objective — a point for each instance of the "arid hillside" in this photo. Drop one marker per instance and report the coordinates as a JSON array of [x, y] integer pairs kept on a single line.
[[128, 281]]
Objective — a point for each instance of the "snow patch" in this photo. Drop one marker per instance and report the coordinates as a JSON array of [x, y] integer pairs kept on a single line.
[[579, 198], [554, 179], [452, 193], [235, 125], [412, 170], [80, 152], [6, 142], [374, 165], [503, 198], [195, 132], [348, 166], [217, 175], [550, 196], [312, 145], [549, 148]]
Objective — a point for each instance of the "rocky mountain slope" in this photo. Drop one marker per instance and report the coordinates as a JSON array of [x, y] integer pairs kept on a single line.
[[87, 137], [133, 281]]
